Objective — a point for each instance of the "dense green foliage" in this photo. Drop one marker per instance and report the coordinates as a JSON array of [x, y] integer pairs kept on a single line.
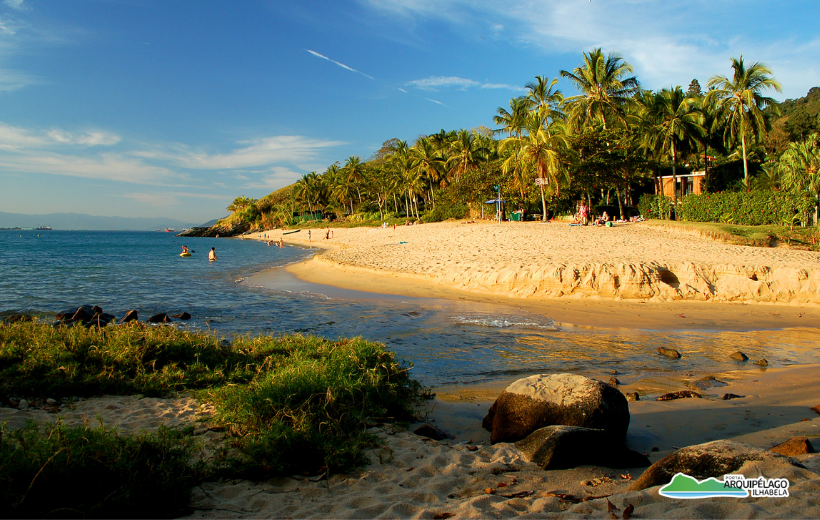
[[290, 405], [753, 208], [52, 471]]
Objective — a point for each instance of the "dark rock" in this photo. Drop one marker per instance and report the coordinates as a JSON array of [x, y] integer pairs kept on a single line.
[[739, 356], [794, 446], [221, 230], [182, 316], [129, 316], [84, 313], [712, 459], [633, 396], [562, 447], [682, 394], [726, 397], [225, 343], [816, 409], [613, 381], [566, 399], [432, 432], [762, 362], [669, 352], [706, 383], [159, 318], [17, 318]]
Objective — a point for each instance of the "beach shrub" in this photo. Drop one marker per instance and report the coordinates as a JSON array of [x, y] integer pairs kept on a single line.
[[446, 210], [53, 471], [311, 412], [655, 206], [750, 208]]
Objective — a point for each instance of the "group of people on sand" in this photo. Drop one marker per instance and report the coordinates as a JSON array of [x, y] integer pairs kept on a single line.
[[582, 218]]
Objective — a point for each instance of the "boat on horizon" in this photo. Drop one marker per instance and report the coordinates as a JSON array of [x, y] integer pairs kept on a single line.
[[43, 228]]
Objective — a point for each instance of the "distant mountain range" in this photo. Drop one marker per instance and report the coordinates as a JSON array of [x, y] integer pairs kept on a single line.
[[79, 221]]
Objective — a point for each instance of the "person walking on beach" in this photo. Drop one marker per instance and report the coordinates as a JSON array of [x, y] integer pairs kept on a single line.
[[584, 214], [212, 255], [308, 235]]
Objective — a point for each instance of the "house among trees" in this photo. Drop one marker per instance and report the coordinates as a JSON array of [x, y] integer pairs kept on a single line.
[[688, 183]]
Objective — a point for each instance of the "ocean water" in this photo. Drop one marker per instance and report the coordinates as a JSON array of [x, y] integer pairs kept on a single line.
[[450, 343]]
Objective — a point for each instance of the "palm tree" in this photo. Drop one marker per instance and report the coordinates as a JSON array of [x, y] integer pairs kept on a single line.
[[543, 99], [355, 171], [739, 103], [427, 163], [539, 149], [673, 124], [605, 90], [466, 153], [513, 121], [799, 168]]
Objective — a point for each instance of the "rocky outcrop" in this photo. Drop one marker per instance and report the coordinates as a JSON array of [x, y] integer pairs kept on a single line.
[[562, 447], [680, 394], [712, 459], [794, 446], [221, 230], [558, 399]]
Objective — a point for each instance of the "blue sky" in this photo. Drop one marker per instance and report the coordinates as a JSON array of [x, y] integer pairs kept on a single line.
[[174, 107]]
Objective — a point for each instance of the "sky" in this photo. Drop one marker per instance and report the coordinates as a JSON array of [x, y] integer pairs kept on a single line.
[[172, 108]]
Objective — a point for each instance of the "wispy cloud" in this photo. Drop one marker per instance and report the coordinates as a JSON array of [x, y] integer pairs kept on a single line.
[[435, 101], [448, 82], [15, 4], [342, 65], [401, 89]]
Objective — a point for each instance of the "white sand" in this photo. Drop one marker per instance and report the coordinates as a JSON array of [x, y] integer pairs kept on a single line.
[[537, 260]]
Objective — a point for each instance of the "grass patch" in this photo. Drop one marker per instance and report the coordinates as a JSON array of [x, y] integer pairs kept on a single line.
[[294, 404], [56, 472], [807, 238]]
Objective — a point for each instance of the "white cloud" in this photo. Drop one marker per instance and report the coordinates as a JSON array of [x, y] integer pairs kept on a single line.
[[442, 82], [15, 4], [109, 167], [435, 101], [84, 139], [257, 152]]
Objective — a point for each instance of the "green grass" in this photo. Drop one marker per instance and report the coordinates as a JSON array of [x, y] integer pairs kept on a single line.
[[56, 472], [294, 404], [760, 236]]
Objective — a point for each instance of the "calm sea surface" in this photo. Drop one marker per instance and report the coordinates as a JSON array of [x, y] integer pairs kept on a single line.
[[449, 342]]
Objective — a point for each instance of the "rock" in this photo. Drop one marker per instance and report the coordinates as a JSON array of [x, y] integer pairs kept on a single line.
[[432, 432], [129, 316], [762, 362], [706, 383], [816, 409], [83, 313], [726, 397], [739, 356], [682, 394], [182, 316], [159, 318], [712, 459], [633, 396], [669, 352], [566, 399], [51, 401], [22, 405], [613, 381], [794, 446], [562, 447], [225, 343]]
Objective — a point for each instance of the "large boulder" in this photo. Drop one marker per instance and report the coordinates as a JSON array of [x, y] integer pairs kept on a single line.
[[566, 399], [562, 447], [712, 459]]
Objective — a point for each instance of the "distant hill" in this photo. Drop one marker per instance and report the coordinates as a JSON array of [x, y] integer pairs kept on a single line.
[[211, 223], [801, 116], [79, 221]]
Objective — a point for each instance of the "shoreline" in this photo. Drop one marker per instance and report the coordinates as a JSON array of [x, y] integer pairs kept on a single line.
[[578, 310]]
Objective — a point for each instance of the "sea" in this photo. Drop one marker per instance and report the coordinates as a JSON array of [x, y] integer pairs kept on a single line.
[[450, 344]]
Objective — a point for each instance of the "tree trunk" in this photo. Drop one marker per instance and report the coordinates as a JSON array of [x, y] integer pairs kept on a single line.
[[745, 166], [543, 204], [675, 179], [620, 206]]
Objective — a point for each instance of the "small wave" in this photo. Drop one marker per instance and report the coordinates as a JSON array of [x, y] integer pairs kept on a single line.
[[505, 322]]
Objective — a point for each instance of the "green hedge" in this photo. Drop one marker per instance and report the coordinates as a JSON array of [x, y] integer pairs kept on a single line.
[[655, 206], [752, 208]]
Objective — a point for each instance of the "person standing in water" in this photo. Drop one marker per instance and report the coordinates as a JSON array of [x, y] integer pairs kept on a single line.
[[212, 255]]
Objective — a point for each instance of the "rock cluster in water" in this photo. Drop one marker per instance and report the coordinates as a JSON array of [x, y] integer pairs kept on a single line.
[[93, 316]]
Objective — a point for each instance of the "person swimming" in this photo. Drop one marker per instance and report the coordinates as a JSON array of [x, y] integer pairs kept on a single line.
[[212, 255]]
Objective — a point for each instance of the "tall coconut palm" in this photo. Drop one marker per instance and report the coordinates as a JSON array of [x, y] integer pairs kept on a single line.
[[674, 123], [513, 121], [539, 149], [427, 163], [355, 171], [739, 103], [605, 90], [543, 99]]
